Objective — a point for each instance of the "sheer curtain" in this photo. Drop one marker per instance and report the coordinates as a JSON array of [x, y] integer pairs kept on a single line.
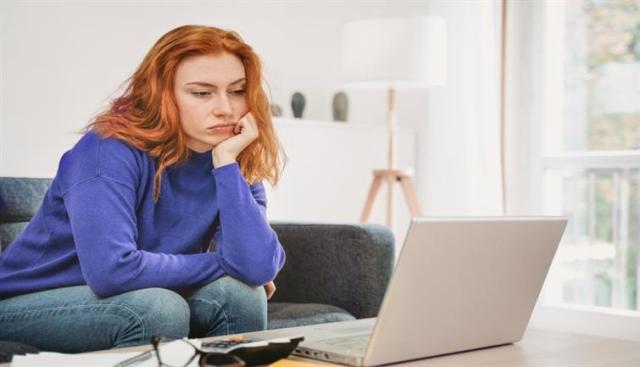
[[525, 103], [459, 169]]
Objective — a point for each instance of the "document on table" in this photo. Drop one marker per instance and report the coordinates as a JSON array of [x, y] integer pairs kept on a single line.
[[71, 360], [171, 352]]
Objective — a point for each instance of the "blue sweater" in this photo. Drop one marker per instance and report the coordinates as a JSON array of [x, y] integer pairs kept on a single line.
[[98, 225]]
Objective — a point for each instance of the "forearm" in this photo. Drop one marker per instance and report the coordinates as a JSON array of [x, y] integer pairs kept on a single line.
[[141, 269], [249, 247], [103, 222], [221, 159]]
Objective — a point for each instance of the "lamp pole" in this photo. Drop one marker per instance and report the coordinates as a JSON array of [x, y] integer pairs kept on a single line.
[[391, 124], [410, 49], [391, 174]]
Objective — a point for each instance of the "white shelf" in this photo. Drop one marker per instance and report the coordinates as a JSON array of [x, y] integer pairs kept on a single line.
[[349, 125], [330, 168]]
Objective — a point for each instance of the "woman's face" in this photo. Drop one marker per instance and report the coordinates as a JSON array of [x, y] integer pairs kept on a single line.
[[210, 93]]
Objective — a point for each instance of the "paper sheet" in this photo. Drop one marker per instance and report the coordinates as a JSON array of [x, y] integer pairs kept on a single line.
[[70, 360], [173, 353]]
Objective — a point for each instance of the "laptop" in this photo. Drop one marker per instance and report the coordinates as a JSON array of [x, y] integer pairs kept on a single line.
[[459, 284]]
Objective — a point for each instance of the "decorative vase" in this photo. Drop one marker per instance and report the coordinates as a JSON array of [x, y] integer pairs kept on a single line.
[[340, 106], [276, 110], [297, 104]]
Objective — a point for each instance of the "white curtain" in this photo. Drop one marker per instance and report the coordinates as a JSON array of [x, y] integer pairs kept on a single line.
[[459, 147], [526, 103]]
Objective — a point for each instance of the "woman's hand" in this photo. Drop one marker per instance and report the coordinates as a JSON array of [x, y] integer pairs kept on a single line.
[[246, 131], [270, 288]]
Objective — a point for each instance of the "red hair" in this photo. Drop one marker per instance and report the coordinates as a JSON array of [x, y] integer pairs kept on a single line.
[[146, 115]]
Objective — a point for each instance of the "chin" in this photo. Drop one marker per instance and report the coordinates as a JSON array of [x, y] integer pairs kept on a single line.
[[215, 141]]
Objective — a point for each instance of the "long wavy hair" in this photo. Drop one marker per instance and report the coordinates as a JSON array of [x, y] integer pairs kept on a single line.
[[146, 114]]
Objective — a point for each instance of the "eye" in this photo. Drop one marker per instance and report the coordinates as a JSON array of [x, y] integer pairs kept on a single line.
[[201, 94], [239, 92]]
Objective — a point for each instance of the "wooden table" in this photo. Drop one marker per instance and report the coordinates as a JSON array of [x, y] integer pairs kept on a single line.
[[537, 348]]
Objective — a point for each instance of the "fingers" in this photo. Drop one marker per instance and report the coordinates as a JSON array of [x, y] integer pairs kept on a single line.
[[247, 124], [270, 289]]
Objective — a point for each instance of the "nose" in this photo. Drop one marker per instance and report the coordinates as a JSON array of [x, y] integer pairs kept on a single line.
[[223, 106]]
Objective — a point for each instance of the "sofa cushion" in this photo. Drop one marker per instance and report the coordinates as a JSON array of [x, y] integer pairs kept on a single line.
[[9, 232], [349, 265], [283, 315], [20, 199]]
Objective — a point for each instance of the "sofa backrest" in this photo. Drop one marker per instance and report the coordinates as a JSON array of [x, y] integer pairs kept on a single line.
[[20, 198]]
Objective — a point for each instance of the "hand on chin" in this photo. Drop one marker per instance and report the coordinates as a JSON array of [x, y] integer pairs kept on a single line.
[[222, 139]]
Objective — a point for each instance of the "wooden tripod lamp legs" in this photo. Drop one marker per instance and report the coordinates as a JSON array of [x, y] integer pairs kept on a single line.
[[391, 175], [371, 198], [406, 182]]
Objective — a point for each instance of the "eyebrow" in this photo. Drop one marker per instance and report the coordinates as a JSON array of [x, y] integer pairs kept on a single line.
[[205, 84]]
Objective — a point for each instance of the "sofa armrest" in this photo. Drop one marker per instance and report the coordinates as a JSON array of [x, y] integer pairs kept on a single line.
[[345, 265], [20, 199]]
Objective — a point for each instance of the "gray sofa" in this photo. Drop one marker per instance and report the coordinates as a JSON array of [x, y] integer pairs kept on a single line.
[[334, 272]]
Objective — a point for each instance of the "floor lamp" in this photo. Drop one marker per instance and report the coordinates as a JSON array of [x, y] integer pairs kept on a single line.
[[396, 53]]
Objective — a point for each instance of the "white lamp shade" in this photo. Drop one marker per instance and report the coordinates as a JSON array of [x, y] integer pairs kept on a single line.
[[392, 50]]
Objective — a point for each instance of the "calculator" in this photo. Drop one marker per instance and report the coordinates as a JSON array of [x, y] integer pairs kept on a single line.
[[254, 352], [225, 345]]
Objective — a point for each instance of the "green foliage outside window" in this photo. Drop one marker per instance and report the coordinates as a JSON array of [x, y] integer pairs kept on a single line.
[[602, 39]]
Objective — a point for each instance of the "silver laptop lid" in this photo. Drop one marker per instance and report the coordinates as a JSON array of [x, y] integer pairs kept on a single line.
[[463, 283]]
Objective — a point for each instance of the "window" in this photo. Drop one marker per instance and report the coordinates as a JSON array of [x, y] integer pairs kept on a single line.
[[592, 173]]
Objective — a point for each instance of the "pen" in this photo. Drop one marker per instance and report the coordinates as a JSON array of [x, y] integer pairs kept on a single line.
[[135, 360]]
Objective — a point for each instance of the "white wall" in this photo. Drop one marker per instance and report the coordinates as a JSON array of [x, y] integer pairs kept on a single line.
[[60, 62], [63, 61], [329, 173]]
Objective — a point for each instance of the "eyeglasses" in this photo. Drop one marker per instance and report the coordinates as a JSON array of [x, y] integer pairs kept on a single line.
[[165, 359], [207, 359]]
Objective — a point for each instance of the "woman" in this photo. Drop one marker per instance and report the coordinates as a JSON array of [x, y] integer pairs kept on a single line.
[[118, 251]]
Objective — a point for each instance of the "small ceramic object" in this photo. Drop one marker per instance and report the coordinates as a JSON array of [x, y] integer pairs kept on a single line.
[[297, 104], [340, 106], [276, 110]]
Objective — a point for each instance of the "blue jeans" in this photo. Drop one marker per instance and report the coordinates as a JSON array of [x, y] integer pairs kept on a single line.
[[74, 320]]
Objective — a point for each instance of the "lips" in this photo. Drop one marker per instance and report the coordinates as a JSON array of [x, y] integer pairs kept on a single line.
[[221, 126]]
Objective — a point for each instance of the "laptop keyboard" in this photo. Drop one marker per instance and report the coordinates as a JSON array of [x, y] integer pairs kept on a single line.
[[225, 344], [356, 342]]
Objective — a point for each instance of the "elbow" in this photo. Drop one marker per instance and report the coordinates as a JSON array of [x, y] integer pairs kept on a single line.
[[113, 276], [109, 282], [259, 278], [255, 276], [258, 273], [268, 270], [104, 288]]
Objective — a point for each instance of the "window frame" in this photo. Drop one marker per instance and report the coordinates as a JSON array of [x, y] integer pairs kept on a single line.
[[548, 155]]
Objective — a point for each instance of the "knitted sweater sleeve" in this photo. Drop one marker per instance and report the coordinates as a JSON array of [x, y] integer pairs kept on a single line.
[[248, 247], [100, 194], [103, 222]]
